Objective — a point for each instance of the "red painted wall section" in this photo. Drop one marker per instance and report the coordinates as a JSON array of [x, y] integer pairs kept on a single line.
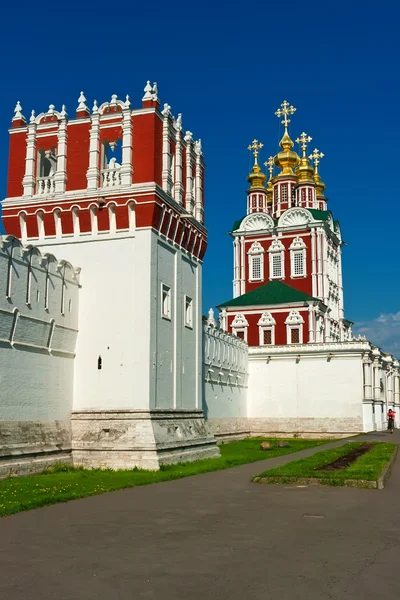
[[32, 226], [16, 164], [67, 225], [103, 219], [84, 220], [49, 224], [12, 225], [145, 146], [78, 156], [253, 336]]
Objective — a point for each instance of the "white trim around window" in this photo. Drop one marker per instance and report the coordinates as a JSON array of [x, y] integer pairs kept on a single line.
[[298, 265], [276, 253], [188, 311], [165, 301], [294, 328], [266, 329], [256, 262]]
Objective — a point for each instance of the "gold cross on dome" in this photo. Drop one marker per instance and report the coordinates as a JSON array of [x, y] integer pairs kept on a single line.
[[270, 166], [255, 148], [303, 140], [286, 110], [316, 157]]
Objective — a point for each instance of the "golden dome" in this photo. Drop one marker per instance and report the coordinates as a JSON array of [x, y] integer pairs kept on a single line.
[[286, 160], [304, 171], [256, 178]]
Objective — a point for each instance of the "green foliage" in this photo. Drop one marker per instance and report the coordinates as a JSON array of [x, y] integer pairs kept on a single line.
[[367, 467], [61, 482]]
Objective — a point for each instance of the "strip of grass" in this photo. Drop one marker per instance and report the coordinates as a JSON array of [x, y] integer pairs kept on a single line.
[[367, 467], [62, 483]]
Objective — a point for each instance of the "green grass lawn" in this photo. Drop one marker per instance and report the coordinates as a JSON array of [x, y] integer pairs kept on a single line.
[[366, 468], [63, 483]]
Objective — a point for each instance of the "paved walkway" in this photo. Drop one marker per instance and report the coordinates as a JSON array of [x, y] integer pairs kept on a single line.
[[215, 536]]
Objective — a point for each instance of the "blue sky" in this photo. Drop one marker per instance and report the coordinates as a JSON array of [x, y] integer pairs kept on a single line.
[[227, 68]]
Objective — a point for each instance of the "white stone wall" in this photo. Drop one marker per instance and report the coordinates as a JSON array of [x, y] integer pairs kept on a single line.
[[38, 330], [307, 389], [225, 373]]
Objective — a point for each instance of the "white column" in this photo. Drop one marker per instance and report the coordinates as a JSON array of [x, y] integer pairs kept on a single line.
[[178, 189], [319, 265], [311, 332], [242, 267], [189, 200], [166, 150], [94, 153], [236, 274], [313, 264], [325, 266], [199, 184], [126, 167], [377, 381], [29, 180], [367, 379], [60, 178]]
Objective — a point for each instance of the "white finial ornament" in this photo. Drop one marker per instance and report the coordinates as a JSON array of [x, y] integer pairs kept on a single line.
[[82, 102], [210, 319], [197, 147], [18, 112], [114, 99], [154, 91], [51, 109], [166, 111], [127, 103], [148, 91], [178, 122], [189, 136], [95, 108], [64, 111], [32, 117]]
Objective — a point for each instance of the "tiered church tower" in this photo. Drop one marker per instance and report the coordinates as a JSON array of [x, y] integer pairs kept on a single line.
[[119, 192], [287, 282]]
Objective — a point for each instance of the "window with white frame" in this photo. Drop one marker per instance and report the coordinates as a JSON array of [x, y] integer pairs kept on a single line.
[[284, 192], [256, 262], [266, 329], [165, 301], [294, 327], [276, 260], [188, 311], [297, 258], [240, 326]]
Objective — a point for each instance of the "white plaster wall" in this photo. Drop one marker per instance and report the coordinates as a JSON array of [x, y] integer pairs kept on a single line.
[[328, 392], [36, 356], [114, 321]]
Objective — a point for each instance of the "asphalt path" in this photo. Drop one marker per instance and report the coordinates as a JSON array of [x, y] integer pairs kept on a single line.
[[212, 536]]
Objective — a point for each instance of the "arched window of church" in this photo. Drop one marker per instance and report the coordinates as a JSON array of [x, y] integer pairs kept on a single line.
[[111, 161], [297, 258], [47, 160], [276, 253], [256, 262]]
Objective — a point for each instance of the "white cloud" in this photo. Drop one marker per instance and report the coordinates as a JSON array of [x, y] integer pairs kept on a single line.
[[383, 331]]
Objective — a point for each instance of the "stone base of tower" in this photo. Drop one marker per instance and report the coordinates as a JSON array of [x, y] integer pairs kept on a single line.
[[140, 438]]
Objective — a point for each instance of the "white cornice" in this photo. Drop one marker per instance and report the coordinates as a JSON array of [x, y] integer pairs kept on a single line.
[[329, 350]]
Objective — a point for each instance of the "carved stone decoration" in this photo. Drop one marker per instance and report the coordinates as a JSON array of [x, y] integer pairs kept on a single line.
[[297, 244], [276, 246], [240, 321], [294, 217], [211, 320], [294, 318], [256, 248], [266, 320], [257, 222]]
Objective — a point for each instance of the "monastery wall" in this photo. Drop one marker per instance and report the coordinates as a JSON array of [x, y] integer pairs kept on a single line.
[[38, 331], [225, 373]]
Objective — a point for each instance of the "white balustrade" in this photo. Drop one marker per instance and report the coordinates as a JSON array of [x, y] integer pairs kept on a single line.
[[110, 178], [45, 186]]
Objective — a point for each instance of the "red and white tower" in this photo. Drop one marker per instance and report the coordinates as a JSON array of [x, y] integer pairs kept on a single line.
[[287, 282], [119, 192]]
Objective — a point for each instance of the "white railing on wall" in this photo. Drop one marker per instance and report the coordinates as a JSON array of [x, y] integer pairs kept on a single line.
[[45, 186], [110, 178], [225, 357]]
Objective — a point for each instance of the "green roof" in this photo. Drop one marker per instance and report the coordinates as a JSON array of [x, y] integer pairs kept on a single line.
[[274, 292], [237, 224]]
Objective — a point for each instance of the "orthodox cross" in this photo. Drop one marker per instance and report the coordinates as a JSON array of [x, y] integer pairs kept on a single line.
[[286, 110], [270, 166], [255, 147], [303, 140], [316, 157]]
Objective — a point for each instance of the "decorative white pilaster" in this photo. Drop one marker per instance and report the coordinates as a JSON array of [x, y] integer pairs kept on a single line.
[[242, 267], [313, 264], [320, 293], [325, 268], [189, 199], [367, 379], [126, 167], [178, 189], [377, 380], [311, 331], [166, 152], [236, 271], [29, 180], [60, 177], [223, 320], [198, 209], [94, 150]]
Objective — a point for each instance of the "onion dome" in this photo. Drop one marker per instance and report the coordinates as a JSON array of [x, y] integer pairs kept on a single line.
[[304, 171], [286, 160], [256, 178], [319, 184]]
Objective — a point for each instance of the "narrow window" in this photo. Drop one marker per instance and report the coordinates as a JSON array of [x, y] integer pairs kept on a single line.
[[276, 265], [46, 290], [303, 197], [298, 263], [29, 282], [267, 337], [63, 297], [256, 268], [165, 301], [38, 296], [240, 334], [188, 312], [284, 192], [9, 273], [295, 335], [69, 305]]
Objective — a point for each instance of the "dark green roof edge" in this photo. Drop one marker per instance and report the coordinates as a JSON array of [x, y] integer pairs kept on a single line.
[[273, 292]]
